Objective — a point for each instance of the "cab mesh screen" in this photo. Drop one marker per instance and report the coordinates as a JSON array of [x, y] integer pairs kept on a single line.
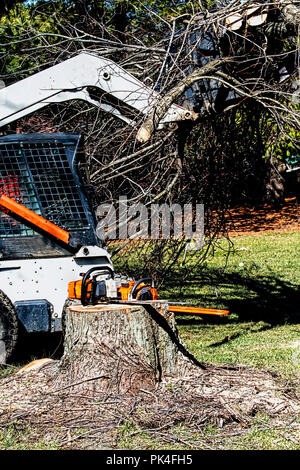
[[38, 175]]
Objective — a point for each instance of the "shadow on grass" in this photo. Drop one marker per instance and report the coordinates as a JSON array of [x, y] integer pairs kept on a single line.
[[260, 298], [241, 333]]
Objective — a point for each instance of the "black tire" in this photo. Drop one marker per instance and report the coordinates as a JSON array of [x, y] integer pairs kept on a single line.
[[8, 329]]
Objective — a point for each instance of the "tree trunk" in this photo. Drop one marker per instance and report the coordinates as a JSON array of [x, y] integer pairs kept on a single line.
[[120, 348]]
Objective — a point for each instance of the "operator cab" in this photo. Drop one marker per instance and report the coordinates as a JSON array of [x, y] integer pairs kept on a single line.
[[44, 172]]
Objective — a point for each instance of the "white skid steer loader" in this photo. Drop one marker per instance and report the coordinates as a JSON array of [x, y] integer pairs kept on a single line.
[[47, 227]]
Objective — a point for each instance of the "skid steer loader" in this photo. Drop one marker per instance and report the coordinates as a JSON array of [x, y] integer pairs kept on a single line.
[[47, 226]]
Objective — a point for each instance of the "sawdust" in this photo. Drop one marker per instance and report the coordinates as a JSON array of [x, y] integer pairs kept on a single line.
[[228, 397]]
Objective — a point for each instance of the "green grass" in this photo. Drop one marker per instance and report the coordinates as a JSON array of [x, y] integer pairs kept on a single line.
[[262, 435], [5, 371], [259, 284], [260, 264], [251, 343]]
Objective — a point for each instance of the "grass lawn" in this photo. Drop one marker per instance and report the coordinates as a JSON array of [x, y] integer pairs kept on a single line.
[[259, 283], [260, 286]]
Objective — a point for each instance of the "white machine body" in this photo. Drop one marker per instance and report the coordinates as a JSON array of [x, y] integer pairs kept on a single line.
[[48, 278]]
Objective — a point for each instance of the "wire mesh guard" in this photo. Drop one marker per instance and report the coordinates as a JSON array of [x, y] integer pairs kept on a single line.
[[38, 175]]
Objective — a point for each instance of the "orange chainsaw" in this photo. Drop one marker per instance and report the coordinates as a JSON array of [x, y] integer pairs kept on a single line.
[[90, 291]]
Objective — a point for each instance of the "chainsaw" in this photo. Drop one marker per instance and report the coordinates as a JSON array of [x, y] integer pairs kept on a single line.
[[92, 289]]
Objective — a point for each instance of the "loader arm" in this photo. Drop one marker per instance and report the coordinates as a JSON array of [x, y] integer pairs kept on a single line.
[[71, 80]]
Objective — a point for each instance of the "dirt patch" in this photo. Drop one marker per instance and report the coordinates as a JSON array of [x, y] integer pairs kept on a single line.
[[266, 218], [229, 398]]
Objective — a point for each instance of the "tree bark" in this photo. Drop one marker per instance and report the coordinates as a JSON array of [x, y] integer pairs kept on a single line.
[[121, 348]]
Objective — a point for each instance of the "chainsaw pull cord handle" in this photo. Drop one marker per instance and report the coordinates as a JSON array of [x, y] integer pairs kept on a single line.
[[144, 280], [86, 277]]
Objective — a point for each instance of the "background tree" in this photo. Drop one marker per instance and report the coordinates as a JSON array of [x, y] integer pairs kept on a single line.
[[7, 5]]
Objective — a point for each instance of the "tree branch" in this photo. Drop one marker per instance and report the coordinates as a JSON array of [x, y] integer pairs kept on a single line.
[[153, 119]]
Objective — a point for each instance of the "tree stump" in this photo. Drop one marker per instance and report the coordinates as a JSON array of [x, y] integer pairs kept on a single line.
[[120, 348]]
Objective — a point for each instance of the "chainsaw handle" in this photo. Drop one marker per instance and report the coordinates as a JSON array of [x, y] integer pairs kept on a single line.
[[144, 280], [85, 279]]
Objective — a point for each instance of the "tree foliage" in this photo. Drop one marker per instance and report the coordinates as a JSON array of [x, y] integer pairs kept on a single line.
[[240, 81]]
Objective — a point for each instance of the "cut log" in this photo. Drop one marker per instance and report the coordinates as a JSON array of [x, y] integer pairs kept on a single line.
[[120, 348]]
